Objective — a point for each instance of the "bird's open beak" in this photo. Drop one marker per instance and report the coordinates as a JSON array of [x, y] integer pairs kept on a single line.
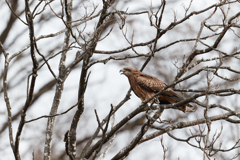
[[122, 71]]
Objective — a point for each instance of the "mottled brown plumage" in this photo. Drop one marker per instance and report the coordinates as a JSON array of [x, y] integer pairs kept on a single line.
[[145, 86]]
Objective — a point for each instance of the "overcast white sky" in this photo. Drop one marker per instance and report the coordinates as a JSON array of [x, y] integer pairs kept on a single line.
[[106, 85]]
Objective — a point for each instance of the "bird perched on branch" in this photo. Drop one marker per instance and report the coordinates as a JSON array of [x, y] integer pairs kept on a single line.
[[145, 86]]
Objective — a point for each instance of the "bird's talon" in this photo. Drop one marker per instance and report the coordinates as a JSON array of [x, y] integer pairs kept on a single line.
[[192, 109]]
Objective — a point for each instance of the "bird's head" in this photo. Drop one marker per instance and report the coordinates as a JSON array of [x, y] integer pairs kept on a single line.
[[128, 71]]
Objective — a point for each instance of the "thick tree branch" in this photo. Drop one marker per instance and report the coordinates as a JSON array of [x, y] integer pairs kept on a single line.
[[180, 125], [29, 18], [59, 88]]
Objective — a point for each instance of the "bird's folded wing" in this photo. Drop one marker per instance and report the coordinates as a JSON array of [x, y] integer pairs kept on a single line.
[[149, 83], [152, 84]]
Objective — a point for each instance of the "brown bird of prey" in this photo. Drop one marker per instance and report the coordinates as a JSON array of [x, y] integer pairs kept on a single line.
[[145, 86]]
